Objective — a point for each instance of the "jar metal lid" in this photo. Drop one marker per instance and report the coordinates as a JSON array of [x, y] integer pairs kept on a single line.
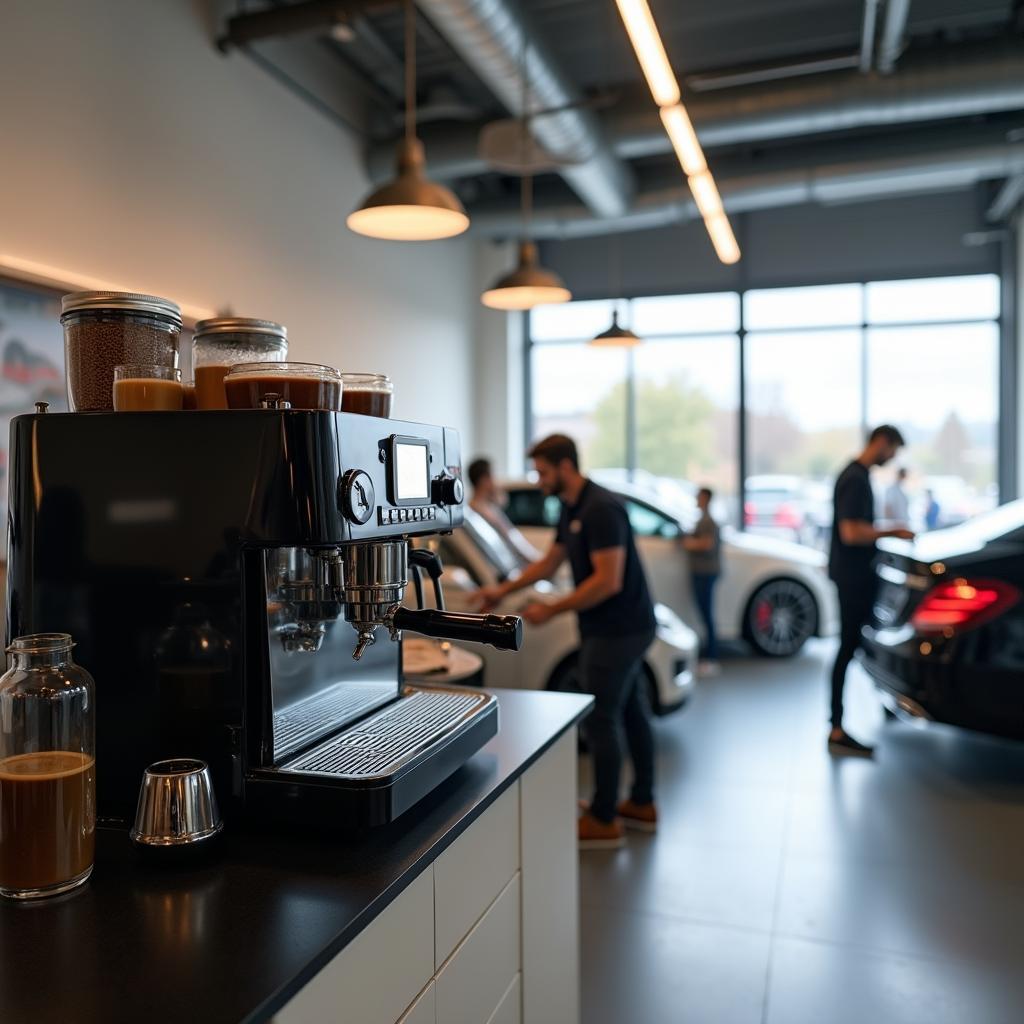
[[241, 325], [126, 302]]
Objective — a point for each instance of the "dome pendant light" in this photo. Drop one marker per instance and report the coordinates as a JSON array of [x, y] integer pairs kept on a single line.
[[529, 284], [409, 208], [616, 336]]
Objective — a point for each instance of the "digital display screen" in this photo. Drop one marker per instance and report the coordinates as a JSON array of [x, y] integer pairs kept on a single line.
[[412, 472]]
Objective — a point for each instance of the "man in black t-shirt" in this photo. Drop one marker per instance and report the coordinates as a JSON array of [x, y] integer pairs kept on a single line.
[[617, 625], [851, 564]]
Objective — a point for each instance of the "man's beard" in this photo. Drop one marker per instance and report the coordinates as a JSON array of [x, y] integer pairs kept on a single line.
[[556, 488]]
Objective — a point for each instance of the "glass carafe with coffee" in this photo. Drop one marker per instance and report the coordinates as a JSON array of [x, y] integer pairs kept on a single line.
[[47, 769]]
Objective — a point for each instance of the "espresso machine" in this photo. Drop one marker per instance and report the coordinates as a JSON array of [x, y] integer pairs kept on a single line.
[[234, 581]]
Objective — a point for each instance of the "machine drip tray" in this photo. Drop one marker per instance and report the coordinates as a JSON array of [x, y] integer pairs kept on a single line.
[[372, 771], [384, 743]]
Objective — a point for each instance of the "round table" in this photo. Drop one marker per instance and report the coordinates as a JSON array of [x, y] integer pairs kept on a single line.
[[461, 666]]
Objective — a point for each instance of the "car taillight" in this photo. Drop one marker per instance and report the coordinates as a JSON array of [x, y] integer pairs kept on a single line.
[[749, 512], [963, 604], [786, 515]]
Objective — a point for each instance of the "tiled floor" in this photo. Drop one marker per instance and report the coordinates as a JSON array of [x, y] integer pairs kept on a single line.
[[787, 888]]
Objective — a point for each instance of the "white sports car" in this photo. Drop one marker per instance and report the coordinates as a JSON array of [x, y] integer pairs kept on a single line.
[[772, 593], [475, 555]]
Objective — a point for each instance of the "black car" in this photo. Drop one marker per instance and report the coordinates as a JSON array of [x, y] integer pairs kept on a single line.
[[947, 639]]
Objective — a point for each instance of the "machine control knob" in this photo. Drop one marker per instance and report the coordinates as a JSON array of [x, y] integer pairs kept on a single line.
[[358, 499], [448, 490]]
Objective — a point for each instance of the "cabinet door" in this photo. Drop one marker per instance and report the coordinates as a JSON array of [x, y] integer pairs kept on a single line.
[[510, 1009], [550, 864], [424, 1010], [379, 974], [471, 873], [474, 981]]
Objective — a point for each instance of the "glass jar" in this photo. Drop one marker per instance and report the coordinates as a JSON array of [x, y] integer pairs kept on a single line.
[[107, 329], [368, 394], [302, 385], [220, 343], [47, 769]]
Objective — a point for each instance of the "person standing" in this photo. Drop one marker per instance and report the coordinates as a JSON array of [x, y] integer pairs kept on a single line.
[[932, 510], [617, 626], [895, 506], [705, 549], [488, 501], [851, 566]]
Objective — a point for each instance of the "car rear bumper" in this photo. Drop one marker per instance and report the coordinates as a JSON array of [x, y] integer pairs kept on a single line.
[[935, 684]]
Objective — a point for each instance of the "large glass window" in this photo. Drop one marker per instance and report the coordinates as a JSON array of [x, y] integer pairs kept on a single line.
[[821, 363]]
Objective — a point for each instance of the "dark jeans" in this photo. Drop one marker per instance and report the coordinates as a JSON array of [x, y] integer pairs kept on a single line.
[[703, 593], [611, 668], [856, 599]]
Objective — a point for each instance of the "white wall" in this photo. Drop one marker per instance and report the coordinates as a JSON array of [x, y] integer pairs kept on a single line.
[[134, 152]]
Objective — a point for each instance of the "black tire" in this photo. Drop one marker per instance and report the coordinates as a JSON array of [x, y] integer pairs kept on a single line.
[[781, 617]]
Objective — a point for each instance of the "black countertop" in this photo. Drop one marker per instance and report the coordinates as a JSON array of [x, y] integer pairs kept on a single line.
[[233, 941]]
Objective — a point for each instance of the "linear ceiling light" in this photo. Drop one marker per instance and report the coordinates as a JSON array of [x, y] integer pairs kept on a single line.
[[650, 51]]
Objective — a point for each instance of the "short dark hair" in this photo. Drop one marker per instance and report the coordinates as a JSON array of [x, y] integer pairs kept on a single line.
[[554, 449], [706, 490], [478, 470], [888, 433]]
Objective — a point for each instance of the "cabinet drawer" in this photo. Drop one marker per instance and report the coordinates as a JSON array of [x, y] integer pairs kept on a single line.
[[469, 875], [510, 1009], [476, 978], [379, 974]]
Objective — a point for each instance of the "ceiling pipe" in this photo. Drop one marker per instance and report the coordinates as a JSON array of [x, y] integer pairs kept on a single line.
[[942, 169], [961, 81], [1006, 200], [867, 36], [488, 36], [893, 33]]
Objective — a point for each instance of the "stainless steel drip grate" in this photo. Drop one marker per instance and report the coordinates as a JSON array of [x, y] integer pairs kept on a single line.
[[379, 745], [304, 721]]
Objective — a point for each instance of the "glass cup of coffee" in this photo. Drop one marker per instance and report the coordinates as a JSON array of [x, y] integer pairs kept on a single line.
[[309, 386], [142, 388], [368, 394]]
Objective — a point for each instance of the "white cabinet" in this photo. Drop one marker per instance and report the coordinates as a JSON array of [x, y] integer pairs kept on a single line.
[[473, 982], [550, 864], [471, 873], [488, 934], [380, 972]]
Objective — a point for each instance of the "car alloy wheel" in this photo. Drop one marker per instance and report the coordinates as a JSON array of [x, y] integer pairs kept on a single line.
[[781, 616]]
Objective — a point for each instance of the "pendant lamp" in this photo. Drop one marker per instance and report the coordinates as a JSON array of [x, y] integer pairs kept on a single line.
[[529, 284], [409, 208], [615, 336]]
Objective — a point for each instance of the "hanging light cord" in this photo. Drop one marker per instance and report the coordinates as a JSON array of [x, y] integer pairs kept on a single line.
[[410, 71]]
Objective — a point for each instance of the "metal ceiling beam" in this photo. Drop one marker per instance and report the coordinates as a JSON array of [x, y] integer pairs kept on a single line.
[[914, 171], [488, 36], [893, 33], [1006, 200], [292, 19], [961, 81], [867, 35]]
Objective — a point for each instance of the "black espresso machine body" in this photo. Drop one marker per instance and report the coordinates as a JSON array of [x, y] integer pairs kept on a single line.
[[216, 571]]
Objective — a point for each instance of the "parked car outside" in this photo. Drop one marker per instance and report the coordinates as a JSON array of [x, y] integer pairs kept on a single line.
[[476, 555], [947, 639], [774, 504], [775, 594]]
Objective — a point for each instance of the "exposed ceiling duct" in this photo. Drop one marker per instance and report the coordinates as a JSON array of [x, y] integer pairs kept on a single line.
[[935, 85], [938, 168], [488, 35]]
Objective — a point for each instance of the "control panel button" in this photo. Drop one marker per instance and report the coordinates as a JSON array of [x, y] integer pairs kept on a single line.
[[358, 499]]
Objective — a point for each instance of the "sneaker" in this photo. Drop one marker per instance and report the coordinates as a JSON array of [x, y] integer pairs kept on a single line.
[[595, 834], [707, 669], [642, 817], [846, 746]]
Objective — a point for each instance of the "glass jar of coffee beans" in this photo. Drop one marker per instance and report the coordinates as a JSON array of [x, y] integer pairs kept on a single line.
[[107, 329]]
